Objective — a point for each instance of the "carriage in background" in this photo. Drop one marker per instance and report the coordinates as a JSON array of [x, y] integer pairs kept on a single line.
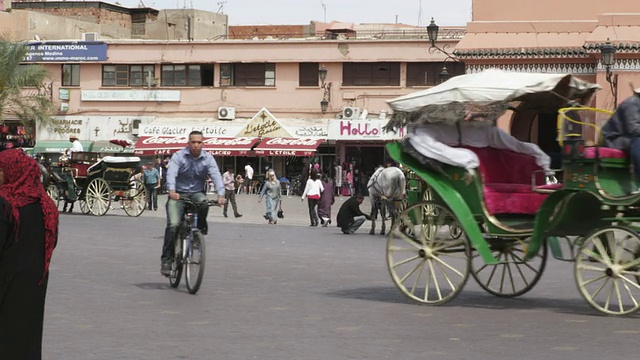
[[96, 179], [500, 224]]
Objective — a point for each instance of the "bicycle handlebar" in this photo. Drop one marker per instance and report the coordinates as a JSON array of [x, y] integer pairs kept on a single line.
[[188, 202]]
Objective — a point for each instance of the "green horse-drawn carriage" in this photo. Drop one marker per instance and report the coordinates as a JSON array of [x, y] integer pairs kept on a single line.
[[499, 221]]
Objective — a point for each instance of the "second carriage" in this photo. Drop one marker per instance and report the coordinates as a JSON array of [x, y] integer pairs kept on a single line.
[[96, 182], [500, 223]]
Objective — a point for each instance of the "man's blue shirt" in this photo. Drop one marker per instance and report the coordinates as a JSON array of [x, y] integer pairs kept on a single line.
[[151, 176], [187, 174]]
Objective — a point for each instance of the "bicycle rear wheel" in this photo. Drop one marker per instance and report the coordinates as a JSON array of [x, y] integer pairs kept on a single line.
[[195, 260], [176, 265]]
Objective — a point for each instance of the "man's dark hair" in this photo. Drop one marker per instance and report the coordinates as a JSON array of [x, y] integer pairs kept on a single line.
[[359, 196], [195, 132]]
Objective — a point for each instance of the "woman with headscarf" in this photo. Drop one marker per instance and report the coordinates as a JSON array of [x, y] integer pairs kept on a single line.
[[28, 235], [273, 192], [326, 200]]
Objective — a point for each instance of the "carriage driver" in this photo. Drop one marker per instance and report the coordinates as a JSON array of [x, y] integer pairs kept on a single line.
[[622, 130], [186, 178], [76, 145]]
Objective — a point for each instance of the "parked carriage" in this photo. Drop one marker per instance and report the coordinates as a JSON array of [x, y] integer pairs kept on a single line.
[[97, 182], [500, 224]]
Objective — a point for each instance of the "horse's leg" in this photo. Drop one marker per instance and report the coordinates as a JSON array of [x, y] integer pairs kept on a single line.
[[383, 215], [374, 214]]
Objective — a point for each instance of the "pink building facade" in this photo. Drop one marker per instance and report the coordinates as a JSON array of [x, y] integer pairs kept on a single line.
[[555, 37], [146, 91]]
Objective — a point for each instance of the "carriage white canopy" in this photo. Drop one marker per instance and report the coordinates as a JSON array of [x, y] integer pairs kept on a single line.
[[489, 93]]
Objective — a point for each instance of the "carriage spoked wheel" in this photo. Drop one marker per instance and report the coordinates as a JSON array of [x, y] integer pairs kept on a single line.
[[513, 275], [98, 196], [54, 194], [136, 199], [84, 208], [425, 263], [454, 229], [608, 270]]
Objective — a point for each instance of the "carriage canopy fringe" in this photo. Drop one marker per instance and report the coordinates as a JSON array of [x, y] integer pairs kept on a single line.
[[486, 96]]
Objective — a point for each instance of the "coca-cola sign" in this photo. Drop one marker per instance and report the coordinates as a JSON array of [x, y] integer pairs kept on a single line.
[[291, 142]]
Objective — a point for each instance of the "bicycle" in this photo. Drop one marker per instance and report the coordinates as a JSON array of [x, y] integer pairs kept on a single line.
[[189, 249]]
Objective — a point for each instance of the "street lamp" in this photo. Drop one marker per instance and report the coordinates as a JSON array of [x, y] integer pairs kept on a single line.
[[432, 34], [444, 74], [608, 58], [326, 97]]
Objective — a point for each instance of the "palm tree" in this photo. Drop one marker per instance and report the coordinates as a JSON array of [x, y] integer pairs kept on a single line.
[[23, 93]]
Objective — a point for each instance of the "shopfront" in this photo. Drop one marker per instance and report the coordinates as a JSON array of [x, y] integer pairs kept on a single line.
[[263, 141], [360, 146]]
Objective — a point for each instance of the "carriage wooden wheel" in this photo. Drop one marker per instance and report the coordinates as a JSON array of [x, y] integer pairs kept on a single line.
[[424, 261], [52, 191], [98, 196], [135, 199]]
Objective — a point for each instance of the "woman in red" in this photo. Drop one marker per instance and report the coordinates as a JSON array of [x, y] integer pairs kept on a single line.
[[28, 234]]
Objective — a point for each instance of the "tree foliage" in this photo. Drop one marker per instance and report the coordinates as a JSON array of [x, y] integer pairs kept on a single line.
[[24, 92]]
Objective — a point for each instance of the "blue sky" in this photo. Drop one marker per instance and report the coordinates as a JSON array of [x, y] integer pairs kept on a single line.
[[244, 12]]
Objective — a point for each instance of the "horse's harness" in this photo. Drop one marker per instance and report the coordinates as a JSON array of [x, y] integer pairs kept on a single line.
[[378, 188]]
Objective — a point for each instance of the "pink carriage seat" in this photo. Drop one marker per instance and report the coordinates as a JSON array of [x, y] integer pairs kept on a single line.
[[80, 169], [604, 153], [506, 176]]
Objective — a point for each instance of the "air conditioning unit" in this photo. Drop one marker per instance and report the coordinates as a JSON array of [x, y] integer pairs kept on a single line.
[[350, 112], [226, 113], [91, 36], [135, 127]]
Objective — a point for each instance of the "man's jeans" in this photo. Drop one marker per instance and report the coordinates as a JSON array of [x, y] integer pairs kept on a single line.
[[357, 222], [175, 212]]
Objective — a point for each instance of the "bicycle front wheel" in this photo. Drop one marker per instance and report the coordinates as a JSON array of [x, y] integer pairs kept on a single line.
[[176, 265], [194, 263]]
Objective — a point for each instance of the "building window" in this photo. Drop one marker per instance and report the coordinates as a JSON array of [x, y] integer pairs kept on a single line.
[[187, 75], [371, 74], [308, 74], [256, 74], [128, 75], [71, 75], [427, 73]]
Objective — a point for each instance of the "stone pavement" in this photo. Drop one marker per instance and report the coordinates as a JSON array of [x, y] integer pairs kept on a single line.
[[295, 211]]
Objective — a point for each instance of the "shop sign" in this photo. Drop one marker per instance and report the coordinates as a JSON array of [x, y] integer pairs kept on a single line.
[[311, 131], [361, 130], [158, 130], [264, 124], [64, 94], [65, 52], [130, 95]]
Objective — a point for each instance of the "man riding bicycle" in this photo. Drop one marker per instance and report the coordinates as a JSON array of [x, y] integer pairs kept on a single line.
[[186, 179]]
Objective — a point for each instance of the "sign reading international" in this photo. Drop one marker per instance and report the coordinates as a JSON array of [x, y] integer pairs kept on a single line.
[[65, 51]]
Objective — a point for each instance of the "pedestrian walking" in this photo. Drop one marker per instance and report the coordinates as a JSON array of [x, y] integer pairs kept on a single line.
[[248, 177], [230, 192], [350, 217], [326, 200], [28, 235], [273, 193], [312, 191], [152, 183]]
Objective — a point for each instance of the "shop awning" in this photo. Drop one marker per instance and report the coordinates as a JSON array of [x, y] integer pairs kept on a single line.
[[287, 147], [166, 145], [57, 146]]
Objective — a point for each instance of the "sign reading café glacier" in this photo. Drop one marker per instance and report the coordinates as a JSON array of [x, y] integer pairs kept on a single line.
[[361, 130]]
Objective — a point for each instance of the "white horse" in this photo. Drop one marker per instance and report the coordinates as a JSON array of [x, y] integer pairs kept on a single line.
[[387, 189]]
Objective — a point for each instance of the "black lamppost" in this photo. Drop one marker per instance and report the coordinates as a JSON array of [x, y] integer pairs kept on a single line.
[[608, 58], [444, 74], [326, 97], [432, 33]]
